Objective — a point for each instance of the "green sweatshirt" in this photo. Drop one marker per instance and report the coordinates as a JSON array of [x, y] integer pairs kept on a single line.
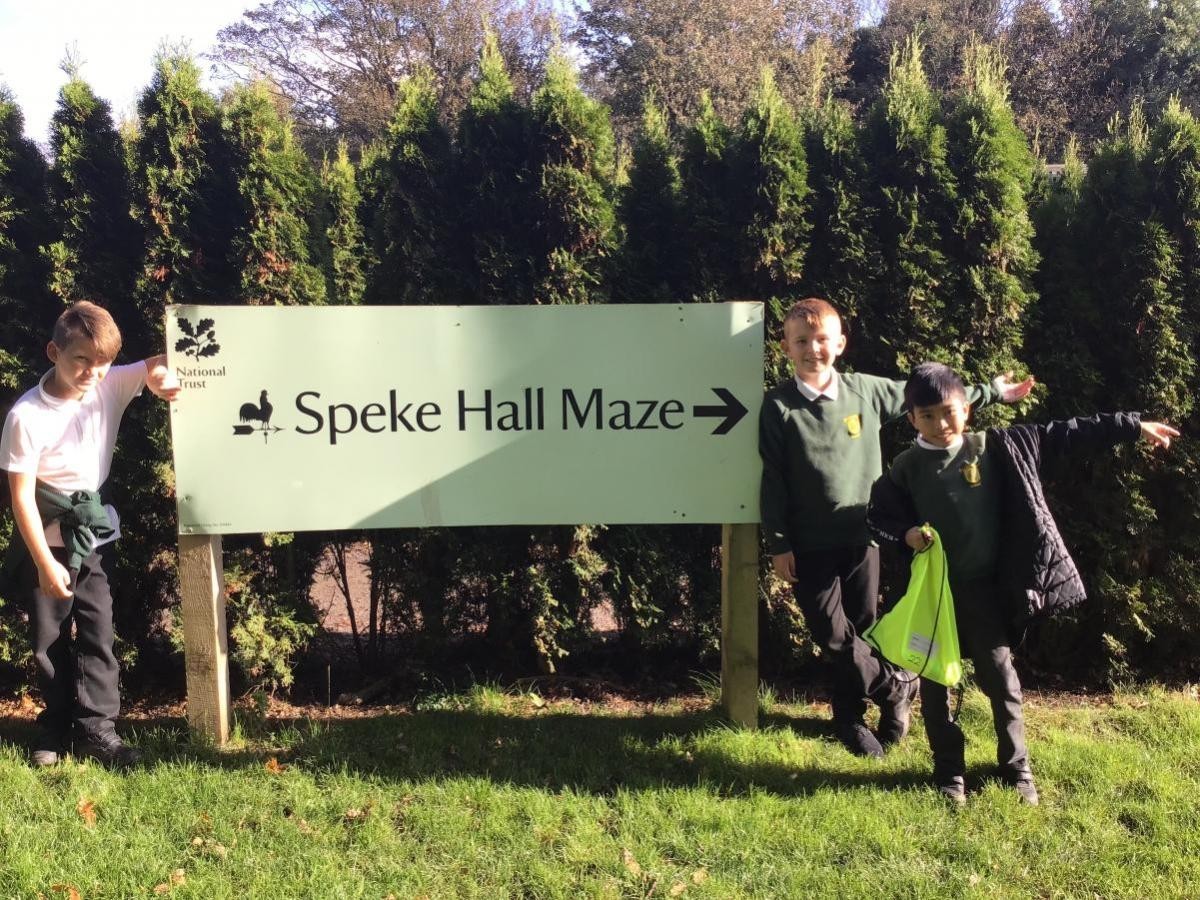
[[82, 519], [820, 459], [957, 492]]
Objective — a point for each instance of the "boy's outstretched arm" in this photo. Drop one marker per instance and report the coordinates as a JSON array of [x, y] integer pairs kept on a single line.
[[159, 379], [1103, 430], [53, 578], [890, 393], [1012, 391], [1159, 434]]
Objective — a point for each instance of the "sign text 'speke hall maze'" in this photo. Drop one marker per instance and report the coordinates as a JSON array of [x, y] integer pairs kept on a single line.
[[349, 417]]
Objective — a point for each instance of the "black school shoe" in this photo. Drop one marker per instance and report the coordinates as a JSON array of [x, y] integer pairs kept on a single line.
[[952, 788], [857, 738], [108, 749], [48, 750], [896, 714], [1023, 782]]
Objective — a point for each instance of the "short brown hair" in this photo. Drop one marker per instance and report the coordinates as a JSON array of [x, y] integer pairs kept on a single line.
[[85, 319], [810, 311]]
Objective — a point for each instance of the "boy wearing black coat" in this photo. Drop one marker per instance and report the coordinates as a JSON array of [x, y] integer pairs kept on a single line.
[[1007, 561]]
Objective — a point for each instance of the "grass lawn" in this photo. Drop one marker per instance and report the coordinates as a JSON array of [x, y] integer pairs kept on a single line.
[[490, 794]]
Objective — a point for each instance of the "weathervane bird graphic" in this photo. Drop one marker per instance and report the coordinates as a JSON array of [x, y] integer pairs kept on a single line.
[[250, 412]]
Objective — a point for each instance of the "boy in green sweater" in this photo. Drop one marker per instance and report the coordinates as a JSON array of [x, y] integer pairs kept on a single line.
[[1005, 557], [819, 441]]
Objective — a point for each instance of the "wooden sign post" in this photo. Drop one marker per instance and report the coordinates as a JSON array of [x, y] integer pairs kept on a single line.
[[739, 624], [205, 642]]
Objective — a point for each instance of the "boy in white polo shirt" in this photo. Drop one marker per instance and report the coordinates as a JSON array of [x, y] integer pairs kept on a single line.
[[57, 448]]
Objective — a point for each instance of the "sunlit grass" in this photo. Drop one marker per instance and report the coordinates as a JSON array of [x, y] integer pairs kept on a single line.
[[499, 793]]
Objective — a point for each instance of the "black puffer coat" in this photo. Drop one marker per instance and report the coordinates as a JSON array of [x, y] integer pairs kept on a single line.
[[1035, 566]]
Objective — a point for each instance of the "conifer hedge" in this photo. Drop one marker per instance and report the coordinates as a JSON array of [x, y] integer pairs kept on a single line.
[[924, 217]]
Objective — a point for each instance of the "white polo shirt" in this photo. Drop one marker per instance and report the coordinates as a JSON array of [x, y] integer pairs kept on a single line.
[[67, 443]]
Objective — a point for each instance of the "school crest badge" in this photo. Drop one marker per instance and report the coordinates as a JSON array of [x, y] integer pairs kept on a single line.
[[970, 473], [853, 425]]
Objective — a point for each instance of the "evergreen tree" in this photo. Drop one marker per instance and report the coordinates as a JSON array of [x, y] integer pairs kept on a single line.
[[1169, 331], [708, 207], [911, 190], [342, 230], [990, 245], [1130, 517], [843, 262], [184, 205], [97, 253], [652, 214], [771, 188], [27, 311], [573, 152], [270, 244], [496, 184], [1065, 315], [411, 234], [1116, 207], [183, 197]]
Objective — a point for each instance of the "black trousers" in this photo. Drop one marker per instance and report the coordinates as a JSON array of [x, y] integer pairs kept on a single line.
[[77, 675], [838, 592], [983, 637]]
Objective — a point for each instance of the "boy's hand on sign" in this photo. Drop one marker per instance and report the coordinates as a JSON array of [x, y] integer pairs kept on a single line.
[[918, 538], [160, 379], [785, 566], [1010, 391], [1159, 433], [55, 581]]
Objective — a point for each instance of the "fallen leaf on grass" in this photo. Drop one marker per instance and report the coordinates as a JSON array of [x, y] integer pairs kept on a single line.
[[537, 700], [354, 814], [70, 890], [700, 876], [304, 828], [177, 878], [631, 864], [208, 845], [677, 889], [273, 766], [87, 811]]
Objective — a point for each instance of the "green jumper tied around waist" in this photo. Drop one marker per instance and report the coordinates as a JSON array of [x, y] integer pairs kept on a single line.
[[81, 517]]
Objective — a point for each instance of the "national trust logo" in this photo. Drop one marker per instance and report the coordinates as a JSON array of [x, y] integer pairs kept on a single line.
[[199, 342]]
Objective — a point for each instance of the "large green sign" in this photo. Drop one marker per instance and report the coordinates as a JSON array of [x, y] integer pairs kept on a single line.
[[297, 419]]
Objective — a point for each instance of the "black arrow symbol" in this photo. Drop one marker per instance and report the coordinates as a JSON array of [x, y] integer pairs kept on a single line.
[[732, 411]]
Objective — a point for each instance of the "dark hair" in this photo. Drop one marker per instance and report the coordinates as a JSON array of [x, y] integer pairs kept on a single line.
[[932, 383]]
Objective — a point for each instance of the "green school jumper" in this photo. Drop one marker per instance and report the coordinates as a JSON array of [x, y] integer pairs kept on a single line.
[[958, 492], [821, 457]]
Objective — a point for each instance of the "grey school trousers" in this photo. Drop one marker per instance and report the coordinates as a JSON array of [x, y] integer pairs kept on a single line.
[[983, 637], [78, 676], [837, 590]]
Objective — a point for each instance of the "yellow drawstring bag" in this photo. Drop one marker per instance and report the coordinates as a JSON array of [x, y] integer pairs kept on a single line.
[[920, 633]]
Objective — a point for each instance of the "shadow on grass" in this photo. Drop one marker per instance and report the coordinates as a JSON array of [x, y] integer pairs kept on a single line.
[[556, 751]]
